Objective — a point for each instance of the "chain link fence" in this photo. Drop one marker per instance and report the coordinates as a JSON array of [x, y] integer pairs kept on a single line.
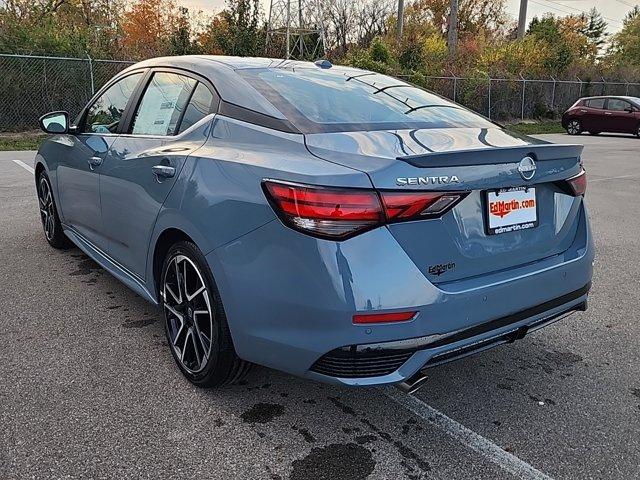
[[32, 85], [506, 99]]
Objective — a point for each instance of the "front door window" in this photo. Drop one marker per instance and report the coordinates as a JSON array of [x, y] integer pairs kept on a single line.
[[105, 113]]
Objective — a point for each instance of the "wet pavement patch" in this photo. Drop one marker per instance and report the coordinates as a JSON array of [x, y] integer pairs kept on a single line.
[[262, 413], [140, 323], [406, 452], [364, 439], [346, 461], [85, 267], [305, 434], [409, 454]]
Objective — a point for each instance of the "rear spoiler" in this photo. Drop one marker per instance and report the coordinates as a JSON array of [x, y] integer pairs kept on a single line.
[[493, 155]]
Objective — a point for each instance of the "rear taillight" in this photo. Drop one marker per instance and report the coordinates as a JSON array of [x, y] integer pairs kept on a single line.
[[401, 206], [340, 213], [578, 184], [575, 186]]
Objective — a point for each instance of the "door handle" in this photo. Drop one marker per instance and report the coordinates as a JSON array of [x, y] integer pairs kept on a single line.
[[608, 113], [163, 171], [95, 162], [583, 111]]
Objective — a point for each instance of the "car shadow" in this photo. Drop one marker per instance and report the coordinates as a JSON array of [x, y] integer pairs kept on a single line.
[[607, 135]]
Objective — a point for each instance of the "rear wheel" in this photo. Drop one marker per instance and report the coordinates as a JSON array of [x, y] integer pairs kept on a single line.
[[49, 214], [195, 321], [638, 131], [574, 127]]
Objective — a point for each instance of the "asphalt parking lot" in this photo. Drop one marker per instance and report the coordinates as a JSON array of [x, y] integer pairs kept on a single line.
[[88, 388]]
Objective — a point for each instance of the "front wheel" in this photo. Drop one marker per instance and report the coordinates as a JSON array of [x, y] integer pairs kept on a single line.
[[195, 322], [574, 127], [638, 131], [49, 214]]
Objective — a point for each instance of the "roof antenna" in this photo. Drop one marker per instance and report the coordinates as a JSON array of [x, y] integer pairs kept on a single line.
[[323, 63]]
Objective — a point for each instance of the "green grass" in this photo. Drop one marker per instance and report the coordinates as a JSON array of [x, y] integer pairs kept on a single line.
[[537, 128], [20, 141]]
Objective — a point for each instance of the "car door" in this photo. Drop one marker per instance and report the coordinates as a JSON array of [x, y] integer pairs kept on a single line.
[[146, 160], [620, 115], [80, 159], [593, 118]]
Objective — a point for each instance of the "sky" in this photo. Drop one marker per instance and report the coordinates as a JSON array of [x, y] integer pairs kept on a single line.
[[613, 10]]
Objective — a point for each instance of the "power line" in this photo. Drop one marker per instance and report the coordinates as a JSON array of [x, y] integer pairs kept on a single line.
[[613, 20], [627, 4]]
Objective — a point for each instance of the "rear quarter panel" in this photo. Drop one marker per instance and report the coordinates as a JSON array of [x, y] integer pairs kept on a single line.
[[218, 197]]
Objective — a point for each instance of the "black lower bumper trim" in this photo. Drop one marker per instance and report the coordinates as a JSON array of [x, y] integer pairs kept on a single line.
[[511, 319], [370, 360]]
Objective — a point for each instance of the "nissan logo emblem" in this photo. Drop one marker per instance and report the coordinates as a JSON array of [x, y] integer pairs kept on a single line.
[[527, 168]]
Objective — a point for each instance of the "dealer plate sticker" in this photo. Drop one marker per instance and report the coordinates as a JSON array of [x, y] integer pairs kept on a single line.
[[511, 209]]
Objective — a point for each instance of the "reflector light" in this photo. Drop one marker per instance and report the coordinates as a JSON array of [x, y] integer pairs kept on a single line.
[[339, 213], [384, 317]]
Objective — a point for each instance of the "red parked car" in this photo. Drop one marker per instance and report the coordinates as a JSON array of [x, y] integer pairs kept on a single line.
[[603, 114]]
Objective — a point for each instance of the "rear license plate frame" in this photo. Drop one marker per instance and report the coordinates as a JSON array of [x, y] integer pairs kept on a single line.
[[511, 227]]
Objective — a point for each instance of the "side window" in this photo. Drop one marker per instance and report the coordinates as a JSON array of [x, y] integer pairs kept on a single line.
[[199, 107], [162, 105], [617, 104], [596, 102], [105, 113]]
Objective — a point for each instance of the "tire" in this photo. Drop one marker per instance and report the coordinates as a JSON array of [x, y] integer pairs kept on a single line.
[[195, 322], [638, 131], [594, 133], [49, 214], [574, 127]]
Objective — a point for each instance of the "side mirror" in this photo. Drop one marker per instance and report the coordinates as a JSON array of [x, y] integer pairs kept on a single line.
[[55, 122], [629, 109]]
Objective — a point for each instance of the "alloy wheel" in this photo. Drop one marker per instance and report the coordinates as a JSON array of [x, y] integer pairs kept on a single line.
[[47, 211], [188, 313], [573, 127]]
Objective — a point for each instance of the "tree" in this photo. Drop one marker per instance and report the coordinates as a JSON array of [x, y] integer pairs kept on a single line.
[[61, 27], [560, 53], [238, 30], [340, 16], [595, 29], [147, 28], [181, 42], [474, 16], [625, 48]]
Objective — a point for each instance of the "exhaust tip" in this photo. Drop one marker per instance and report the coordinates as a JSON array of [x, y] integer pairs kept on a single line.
[[413, 383]]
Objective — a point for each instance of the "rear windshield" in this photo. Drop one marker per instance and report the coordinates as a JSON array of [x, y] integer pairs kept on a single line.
[[317, 101]]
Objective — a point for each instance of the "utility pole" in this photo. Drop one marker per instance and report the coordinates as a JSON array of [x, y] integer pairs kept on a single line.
[[453, 28], [400, 23], [522, 19]]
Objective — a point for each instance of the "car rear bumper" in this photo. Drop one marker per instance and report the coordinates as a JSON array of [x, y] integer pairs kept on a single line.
[[290, 300]]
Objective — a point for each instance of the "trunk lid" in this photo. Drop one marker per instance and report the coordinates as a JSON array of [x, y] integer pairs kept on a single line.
[[459, 244]]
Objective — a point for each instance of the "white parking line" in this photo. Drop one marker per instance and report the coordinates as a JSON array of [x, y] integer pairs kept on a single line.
[[469, 438], [28, 168], [611, 178]]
